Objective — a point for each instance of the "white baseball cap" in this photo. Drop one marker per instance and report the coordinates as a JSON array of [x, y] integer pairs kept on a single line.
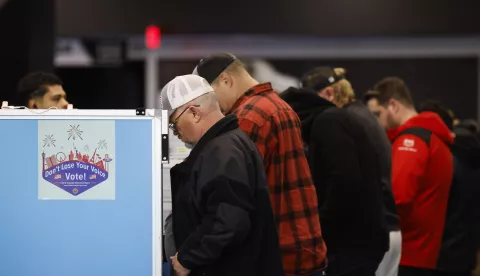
[[181, 90]]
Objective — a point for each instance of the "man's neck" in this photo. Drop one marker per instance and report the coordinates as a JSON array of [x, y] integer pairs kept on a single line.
[[211, 119], [246, 83], [408, 113]]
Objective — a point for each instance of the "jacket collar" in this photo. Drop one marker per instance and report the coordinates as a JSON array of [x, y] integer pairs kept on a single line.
[[229, 122], [256, 90]]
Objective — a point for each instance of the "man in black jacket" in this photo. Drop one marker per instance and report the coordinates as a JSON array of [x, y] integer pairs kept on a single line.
[[223, 223], [461, 231], [331, 84], [345, 170]]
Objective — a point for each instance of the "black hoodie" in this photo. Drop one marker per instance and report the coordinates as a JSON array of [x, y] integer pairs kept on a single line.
[[461, 236], [383, 148], [466, 146], [345, 172]]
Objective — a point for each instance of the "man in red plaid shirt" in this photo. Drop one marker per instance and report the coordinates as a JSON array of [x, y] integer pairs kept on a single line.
[[275, 129]]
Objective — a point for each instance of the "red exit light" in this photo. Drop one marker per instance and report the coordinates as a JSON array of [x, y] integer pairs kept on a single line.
[[153, 37]]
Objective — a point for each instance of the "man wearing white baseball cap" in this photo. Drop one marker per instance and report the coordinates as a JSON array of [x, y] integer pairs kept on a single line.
[[222, 219]]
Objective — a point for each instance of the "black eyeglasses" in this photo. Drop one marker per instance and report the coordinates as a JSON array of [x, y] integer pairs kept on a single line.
[[173, 124]]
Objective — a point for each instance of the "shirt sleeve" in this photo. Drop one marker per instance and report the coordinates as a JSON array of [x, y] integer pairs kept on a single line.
[[226, 198], [409, 161]]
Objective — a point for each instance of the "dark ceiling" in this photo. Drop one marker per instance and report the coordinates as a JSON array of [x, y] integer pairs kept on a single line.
[[305, 17]]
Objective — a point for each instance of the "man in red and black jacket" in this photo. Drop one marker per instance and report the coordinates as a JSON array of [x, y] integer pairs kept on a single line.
[[422, 171], [275, 128]]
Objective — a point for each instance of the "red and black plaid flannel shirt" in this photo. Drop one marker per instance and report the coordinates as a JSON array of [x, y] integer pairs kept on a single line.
[[275, 128]]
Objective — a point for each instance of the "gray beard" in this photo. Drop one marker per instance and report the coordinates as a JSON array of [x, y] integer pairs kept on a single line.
[[189, 146]]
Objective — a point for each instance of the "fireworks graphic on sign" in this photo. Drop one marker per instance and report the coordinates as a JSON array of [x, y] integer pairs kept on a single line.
[[49, 141], [86, 148], [75, 132], [102, 144]]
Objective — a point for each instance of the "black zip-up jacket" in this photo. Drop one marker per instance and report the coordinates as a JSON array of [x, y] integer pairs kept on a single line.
[[383, 149], [345, 170], [223, 222], [461, 235]]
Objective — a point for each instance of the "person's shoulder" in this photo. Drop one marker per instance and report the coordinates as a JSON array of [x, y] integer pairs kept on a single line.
[[260, 110], [234, 142], [255, 110], [268, 103], [341, 121], [361, 110], [365, 117], [412, 143], [255, 105], [333, 115]]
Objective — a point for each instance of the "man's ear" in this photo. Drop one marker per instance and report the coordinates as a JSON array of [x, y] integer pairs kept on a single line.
[[394, 105], [225, 79], [196, 113], [330, 94]]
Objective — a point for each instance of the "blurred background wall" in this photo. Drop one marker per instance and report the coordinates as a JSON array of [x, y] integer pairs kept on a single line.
[[97, 47], [303, 17]]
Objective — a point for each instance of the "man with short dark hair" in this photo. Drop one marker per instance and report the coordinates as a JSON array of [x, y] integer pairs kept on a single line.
[[422, 171], [371, 100], [275, 128], [41, 90]]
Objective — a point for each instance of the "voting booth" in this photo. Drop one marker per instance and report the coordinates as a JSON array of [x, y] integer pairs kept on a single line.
[[81, 192]]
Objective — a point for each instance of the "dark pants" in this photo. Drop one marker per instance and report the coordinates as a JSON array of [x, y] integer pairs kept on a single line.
[[353, 264], [415, 271], [166, 269], [437, 273]]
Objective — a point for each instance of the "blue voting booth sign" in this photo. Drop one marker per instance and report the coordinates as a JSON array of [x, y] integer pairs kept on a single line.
[[87, 233], [75, 177], [76, 156]]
